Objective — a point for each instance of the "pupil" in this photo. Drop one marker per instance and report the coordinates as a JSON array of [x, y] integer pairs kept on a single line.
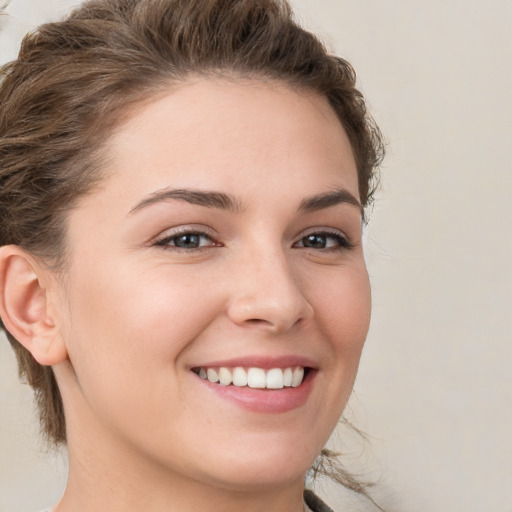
[[187, 241], [315, 241]]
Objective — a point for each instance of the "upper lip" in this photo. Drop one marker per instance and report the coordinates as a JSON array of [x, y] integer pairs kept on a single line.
[[259, 361]]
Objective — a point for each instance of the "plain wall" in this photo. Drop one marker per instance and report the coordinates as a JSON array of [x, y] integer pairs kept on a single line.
[[434, 389]]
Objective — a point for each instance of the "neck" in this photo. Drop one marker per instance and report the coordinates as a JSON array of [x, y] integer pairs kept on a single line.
[[173, 494], [101, 479]]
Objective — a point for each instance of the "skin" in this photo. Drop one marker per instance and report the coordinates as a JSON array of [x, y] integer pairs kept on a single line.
[[130, 317]]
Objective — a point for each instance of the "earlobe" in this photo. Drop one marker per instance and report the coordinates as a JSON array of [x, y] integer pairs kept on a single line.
[[26, 308]]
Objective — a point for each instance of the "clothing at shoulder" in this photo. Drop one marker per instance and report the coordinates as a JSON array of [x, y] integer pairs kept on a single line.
[[314, 503]]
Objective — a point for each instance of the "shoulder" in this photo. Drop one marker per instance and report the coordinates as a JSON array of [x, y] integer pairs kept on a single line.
[[315, 503]]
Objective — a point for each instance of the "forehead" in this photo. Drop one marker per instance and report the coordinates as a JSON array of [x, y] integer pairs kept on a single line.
[[230, 135], [217, 117]]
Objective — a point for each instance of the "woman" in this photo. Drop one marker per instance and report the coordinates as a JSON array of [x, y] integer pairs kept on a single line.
[[182, 274]]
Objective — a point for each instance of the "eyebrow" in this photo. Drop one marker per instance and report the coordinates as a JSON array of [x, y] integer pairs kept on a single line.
[[208, 199], [222, 201], [328, 199]]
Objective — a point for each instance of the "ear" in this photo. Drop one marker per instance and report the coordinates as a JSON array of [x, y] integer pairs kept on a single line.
[[26, 307]]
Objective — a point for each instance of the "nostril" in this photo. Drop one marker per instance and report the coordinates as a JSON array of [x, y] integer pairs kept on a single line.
[[276, 325]]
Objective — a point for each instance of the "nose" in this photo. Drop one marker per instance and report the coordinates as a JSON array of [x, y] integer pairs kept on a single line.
[[267, 295]]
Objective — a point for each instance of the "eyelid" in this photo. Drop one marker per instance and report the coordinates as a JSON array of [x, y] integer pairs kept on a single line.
[[163, 238], [192, 229], [346, 244]]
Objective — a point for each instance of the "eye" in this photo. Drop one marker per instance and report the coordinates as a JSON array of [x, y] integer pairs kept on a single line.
[[324, 240], [187, 240]]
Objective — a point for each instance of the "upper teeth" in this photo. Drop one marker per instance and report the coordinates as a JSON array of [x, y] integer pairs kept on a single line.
[[275, 378]]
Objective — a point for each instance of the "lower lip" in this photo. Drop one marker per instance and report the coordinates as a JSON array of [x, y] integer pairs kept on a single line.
[[269, 401]]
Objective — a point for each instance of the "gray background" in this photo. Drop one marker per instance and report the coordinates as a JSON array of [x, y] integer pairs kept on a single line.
[[434, 389]]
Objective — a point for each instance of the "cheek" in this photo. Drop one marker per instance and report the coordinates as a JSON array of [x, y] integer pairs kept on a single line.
[[343, 302], [127, 333], [127, 325], [343, 310]]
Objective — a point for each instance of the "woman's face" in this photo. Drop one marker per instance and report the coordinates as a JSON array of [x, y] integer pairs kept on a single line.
[[226, 235]]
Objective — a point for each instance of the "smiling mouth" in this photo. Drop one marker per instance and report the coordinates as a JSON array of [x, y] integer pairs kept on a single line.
[[256, 378]]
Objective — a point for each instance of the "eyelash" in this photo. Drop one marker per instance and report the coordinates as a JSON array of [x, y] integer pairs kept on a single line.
[[166, 241], [342, 242]]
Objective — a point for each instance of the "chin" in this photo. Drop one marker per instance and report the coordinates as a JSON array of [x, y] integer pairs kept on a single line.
[[265, 466], [259, 476]]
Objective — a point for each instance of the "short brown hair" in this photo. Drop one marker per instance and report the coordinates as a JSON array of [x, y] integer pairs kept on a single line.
[[73, 79]]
